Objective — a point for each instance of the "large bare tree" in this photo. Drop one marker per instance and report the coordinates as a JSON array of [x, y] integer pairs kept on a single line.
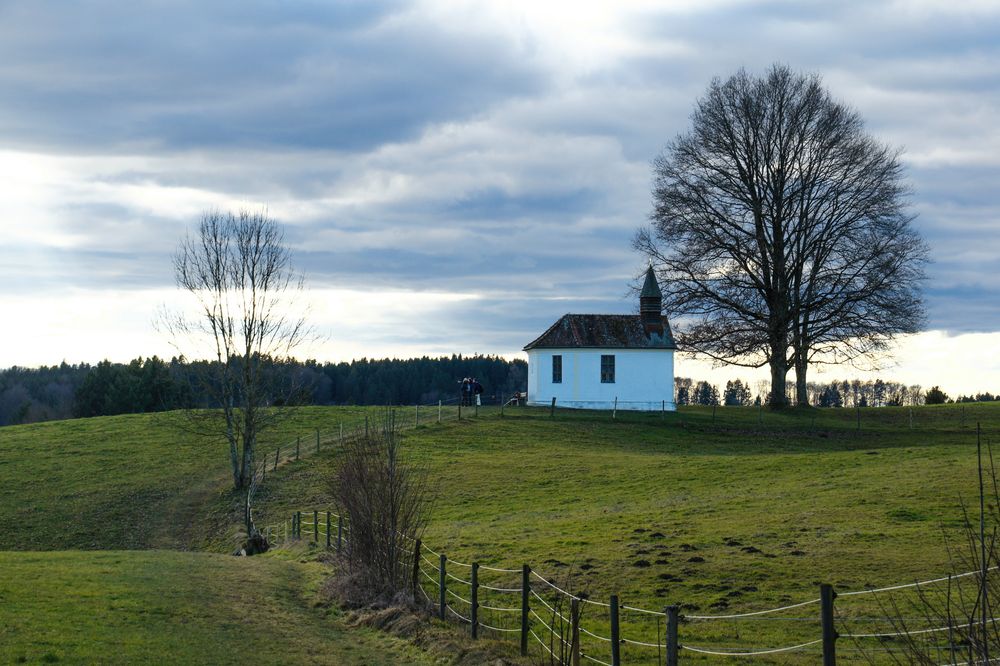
[[239, 271], [780, 230]]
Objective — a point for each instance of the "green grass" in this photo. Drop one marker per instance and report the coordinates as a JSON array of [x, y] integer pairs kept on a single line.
[[737, 510], [168, 607], [660, 510], [134, 481]]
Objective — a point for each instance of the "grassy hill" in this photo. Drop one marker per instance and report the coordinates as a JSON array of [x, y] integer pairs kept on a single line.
[[132, 481], [738, 511], [168, 607], [719, 510]]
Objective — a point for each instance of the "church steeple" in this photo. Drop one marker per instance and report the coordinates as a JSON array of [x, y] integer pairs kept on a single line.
[[651, 304]]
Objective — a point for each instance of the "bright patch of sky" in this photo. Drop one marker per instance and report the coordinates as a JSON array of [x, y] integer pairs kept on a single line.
[[454, 176]]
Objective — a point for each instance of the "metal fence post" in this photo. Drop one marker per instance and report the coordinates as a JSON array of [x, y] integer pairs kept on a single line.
[[672, 647], [525, 591], [442, 585], [616, 652], [826, 596], [475, 600]]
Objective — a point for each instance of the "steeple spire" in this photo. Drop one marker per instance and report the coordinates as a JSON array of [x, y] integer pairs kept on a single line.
[[651, 304]]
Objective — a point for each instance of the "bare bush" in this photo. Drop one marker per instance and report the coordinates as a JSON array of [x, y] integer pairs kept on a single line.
[[385, 504]]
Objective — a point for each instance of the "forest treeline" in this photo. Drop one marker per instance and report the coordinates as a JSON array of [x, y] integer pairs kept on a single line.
[[28, 395]]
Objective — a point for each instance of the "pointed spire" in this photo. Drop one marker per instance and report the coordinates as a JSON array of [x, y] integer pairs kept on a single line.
[[650, 288]]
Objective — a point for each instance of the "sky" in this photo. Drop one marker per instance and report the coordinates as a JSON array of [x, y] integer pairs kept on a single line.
[[452, 176]]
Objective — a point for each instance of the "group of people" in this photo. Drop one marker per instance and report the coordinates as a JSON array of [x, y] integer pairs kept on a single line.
[[471, 392]]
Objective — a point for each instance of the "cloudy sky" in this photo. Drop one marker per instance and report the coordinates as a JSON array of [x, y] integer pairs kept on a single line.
[[453, 176]]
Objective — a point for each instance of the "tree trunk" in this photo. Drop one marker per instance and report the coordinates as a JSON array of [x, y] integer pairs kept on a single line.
[[801, 392], [779, 369]]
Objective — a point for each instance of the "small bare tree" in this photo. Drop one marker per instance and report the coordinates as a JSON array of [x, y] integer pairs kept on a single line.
[[385, 502], [239, 271]]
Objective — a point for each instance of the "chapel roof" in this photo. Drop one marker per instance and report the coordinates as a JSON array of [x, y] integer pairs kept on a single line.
[[604, 331]]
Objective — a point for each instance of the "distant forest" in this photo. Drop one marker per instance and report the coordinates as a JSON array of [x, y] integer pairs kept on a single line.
[[28, 395]]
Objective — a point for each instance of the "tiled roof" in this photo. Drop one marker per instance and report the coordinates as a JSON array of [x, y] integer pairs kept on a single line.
[[604, 331]]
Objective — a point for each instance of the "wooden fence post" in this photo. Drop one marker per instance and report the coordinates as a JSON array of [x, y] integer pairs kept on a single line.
[[442, 585], [525, 591], [315, 526], [663, 409], [672, 648], [552, 408], [298, 440], [574, 641], [439, 411], [340, 533], [328, 530], [826, 597], [616, 652], [475, 600], [298, 523], [276, 452], [614, 412], [416, 568]]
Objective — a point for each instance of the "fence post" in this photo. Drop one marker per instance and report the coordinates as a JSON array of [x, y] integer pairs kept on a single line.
[[552, 409], [616, 652], [663, 409], [475, 600], [328, 530], [340, 532], [276, 452], [672, 635], [442, 585], [315, 526], [298, 440], [263, 473], [416, 415], [341, 433], [298, 524], [614, 412], [439, 411], [525, 591], [574, 640], [826, 596], [416, 568], [317, 440]]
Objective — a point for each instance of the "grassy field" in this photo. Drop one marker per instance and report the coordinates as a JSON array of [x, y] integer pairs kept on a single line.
[[128, 607], [720, 512], [133, 481], [739, 511]]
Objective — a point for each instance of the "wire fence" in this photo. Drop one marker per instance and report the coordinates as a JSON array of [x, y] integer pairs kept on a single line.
[[533, 608]]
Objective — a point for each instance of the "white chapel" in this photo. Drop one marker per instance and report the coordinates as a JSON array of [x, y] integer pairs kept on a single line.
[[595, 361]]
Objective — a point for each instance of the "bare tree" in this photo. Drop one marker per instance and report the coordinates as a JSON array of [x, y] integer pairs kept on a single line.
[[780, 230], [239, 271]]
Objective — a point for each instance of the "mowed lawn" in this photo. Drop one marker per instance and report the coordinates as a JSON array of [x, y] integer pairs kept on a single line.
[[157, 607], [743, 510]]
